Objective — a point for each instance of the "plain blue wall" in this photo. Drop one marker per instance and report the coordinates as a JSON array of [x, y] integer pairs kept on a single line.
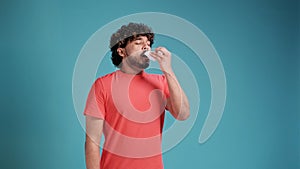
[[258, 43]]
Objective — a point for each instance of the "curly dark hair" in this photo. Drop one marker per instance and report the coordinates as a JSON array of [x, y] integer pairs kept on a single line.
[[128, 33]]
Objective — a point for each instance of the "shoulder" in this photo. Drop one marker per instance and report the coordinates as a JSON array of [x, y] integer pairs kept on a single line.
[[155, 77], [104, 80], [105, 77]]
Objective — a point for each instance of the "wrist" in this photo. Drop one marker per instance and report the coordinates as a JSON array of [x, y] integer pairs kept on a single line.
[[168, 72]]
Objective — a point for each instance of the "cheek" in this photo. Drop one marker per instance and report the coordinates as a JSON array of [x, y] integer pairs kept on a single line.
[[133, 50]]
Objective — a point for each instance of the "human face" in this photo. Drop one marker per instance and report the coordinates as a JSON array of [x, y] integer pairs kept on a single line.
[[134, 50]]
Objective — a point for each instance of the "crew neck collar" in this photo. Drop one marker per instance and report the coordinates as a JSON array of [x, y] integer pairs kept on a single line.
[[128, 74]]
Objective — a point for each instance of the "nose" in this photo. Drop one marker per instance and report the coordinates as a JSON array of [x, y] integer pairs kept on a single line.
[[146, 47]]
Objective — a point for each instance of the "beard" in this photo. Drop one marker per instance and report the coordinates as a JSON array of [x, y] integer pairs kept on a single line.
[[139, 62]]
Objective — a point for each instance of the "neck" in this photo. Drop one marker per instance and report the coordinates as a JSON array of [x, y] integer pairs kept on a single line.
[[130, 70]]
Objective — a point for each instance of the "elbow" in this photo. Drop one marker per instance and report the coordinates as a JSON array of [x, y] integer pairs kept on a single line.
[[184, 116], [182, 113]]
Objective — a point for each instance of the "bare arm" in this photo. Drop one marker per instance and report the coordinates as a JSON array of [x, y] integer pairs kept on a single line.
[[178, 103], [94, 128]]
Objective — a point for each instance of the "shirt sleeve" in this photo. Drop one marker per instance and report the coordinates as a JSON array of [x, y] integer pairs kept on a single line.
[[95, 104]]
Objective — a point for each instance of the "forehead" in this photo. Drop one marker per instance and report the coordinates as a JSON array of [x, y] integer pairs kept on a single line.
[[141, 37]]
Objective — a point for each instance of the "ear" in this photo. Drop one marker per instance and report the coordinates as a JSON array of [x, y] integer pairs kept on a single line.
[[121, 52]]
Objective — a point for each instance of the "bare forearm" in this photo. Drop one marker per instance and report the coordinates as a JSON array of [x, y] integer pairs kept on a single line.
[[178, 102], [92, 155]]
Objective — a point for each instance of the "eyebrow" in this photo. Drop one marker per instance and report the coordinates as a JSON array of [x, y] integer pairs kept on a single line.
[[141, 38], [138, 38]]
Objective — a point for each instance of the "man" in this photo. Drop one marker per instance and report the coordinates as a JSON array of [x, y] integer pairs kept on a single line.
[[128, 105]]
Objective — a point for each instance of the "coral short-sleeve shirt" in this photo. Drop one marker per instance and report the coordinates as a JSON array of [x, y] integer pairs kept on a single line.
[[133, 108]]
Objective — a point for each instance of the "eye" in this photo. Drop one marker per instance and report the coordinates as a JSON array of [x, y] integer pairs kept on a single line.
[[138, 42]]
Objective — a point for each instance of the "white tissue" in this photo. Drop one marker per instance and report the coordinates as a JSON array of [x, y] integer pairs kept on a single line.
[[147, 53]]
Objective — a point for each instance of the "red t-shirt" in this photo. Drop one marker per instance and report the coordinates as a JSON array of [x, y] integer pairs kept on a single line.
[[133, 108]]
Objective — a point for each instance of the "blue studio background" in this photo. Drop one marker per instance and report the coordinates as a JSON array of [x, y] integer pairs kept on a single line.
[[257, 41]]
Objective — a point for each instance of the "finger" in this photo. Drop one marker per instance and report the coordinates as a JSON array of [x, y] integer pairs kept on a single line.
[[162, 49], [160, 53], [156, 56]]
